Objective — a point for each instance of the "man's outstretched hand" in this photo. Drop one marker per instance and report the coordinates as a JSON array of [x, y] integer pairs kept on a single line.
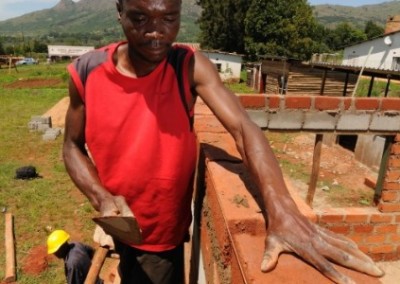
[[315, 245]]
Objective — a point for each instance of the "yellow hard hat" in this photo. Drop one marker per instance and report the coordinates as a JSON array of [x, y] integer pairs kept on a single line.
[[56, 239]]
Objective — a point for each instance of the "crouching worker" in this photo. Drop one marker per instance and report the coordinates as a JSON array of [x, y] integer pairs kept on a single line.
[[77, 256]]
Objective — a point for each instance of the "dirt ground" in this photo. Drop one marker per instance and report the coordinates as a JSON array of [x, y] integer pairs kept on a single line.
[[34, 83], [338, 168], [341, 179]]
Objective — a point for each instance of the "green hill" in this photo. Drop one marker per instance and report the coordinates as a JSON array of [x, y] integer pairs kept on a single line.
[[85, 16], [97, 17], [331, 15]]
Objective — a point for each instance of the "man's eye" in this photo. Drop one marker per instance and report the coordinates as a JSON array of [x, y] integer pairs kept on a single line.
[[138, 19], [170, 19]]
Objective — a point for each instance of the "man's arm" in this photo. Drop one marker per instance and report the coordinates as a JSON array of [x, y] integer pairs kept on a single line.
[[77, 161], [288, 230]]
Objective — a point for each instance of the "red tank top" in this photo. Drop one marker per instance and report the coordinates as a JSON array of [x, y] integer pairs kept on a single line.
[[139, 133]]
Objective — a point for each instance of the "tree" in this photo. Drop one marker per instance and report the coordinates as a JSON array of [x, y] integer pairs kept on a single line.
[[39, 47], [280, 28], [2, 51], [345, 35], [372, 30], [221, 24]]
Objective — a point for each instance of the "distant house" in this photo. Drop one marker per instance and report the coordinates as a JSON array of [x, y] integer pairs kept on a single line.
[[382, 52], [66, 51], [228, 65]]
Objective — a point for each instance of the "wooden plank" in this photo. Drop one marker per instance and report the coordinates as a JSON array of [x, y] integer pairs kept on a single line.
[[10, 249], [315, 169]]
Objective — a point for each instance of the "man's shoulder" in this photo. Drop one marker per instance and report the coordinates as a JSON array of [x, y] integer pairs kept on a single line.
[[78, 253]]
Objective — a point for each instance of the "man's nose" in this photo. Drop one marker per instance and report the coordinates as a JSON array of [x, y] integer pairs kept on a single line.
[[154, 35], [154, 30]]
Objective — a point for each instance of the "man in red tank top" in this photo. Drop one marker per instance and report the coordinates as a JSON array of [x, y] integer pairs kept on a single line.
[[132, 104]]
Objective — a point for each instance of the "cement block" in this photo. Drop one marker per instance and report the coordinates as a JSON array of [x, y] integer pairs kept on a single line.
[[51, 134], [354, 122], [259, 117], [319, 121], [33, 125], [42, 127], [41, 119], [290, 120], [385, 122]]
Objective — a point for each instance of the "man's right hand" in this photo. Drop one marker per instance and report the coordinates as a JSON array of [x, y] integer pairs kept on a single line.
[[115, 206]]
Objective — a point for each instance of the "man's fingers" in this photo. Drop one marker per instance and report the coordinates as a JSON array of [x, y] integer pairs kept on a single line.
[[123, 207], [325, 267], [353, 259], [272, 250], [344, 249], [339, 240], [102, 238]]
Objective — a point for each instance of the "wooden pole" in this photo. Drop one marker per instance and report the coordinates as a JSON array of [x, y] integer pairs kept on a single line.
[[10, 249], [389, 140], [97, 263], [315, 169]]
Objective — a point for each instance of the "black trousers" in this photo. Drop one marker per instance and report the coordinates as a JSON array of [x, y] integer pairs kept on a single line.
[[143, 267]]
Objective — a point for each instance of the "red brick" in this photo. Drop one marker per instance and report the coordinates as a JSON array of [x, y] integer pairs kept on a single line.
[[390, 104], [364, 249], [370, 182], [397, 137], [252, 101], [395, 149], [375, 239], [390, 196], [328, 219], [394, 238], [274, 101], [347, 103], [358, 238], [359, 218], [391, 186], [343, 230], [386, 229], [382, 249], [380, 218], [389, 207], [363, 229], [394, 162], [392, 175], [366, 103], [297, 102], [327, 103], [398, 219]]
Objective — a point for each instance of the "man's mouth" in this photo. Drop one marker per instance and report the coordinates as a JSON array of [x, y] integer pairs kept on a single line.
[[155, 43]]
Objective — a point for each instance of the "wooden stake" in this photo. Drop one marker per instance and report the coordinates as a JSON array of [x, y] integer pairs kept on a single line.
[[10, 249], [97, 263], [315, 169]]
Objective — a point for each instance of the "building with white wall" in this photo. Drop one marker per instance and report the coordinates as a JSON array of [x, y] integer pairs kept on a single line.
[[228, 65], [67, 51], [382, 52]]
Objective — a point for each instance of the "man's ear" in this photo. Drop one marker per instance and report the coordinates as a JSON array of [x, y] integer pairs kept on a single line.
[[119, 9]]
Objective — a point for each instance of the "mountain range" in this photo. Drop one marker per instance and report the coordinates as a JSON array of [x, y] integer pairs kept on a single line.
[[96, 16]]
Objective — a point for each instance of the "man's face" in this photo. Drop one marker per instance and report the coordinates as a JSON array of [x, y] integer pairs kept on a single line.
[[150, 26]]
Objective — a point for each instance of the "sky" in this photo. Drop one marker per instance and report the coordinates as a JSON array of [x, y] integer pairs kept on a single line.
[[14, 8]]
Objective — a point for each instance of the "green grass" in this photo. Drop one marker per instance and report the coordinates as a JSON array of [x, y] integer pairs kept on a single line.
[[378, 89], [50, 201]]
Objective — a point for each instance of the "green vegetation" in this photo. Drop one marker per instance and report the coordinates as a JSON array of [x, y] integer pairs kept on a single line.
[[378, 89], [39, 204]]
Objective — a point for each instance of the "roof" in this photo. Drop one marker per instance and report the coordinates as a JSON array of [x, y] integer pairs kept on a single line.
[[374, 38]]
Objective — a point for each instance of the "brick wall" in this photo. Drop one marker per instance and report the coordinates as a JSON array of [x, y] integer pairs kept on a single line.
[[232, 228]]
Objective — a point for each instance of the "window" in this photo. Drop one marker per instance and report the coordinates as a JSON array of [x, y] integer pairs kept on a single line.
[[396, 64]]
